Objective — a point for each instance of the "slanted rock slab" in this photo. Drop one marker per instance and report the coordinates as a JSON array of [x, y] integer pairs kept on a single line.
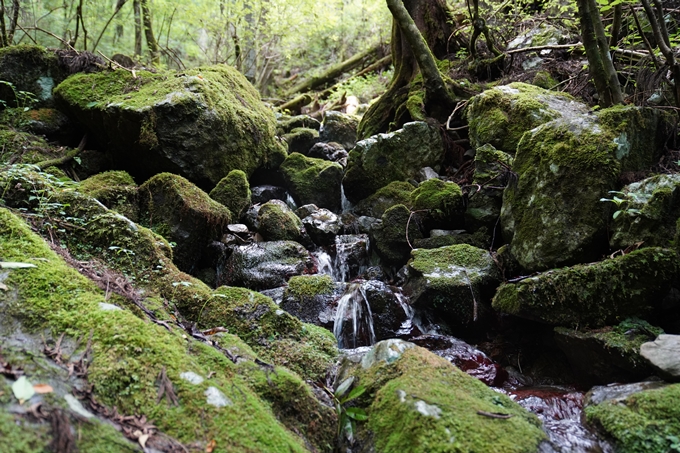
[[664, 355]]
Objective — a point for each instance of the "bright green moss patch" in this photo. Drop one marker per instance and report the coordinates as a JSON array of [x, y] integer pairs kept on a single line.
[[645, 422], [307, 286], [233, 191], [443, 200], [313, 181], [278, 222], [396, 192], [21, 147], [593, 295], [115, 189]]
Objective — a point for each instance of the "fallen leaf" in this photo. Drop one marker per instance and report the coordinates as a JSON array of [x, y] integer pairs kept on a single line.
[[43, 388], [142, 440], [22, 389], [211, 446], [4, 287]]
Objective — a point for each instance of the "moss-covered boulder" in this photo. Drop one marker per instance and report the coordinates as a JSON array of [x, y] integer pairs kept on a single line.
[[313, 181], [391, 238], [286, 124], [301, 139], [453, 283], [339, 128], [500, 116], [419, 402], [277, 222], [647, 213], [265, 265], [593, 295], [116, 190], [643, 417], [182, 213], [30, 69], [200, 124], [128, 358], [610, 353], [25, 148], [377, 161], [442, 201], [396, 192], [311, 298], [493, 171], [233, 191]]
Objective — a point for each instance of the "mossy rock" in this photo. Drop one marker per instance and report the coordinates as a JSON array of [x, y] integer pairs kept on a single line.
[[396, 192], [648, 214], [593, 295], [647, 421], [233, 191], [25, 148], [312, 298], [116, 190], [500, 116], [181, 213], [379, 160], [553, 216], [313, 181], [480, 239], [608, 354], [277, 222], [417, 401], [200, 124], [301, 139], [339, 128], [286, 124], [31, 69], [443, 202], [390, 238], [453, 283], [129, 353]]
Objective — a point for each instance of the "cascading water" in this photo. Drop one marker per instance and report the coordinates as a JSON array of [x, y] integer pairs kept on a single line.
[[353, 326], [351, 256], [324, 263], [345, 203]]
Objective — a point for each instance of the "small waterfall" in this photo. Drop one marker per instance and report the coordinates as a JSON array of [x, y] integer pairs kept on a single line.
[[290, 202], [344, 202], [351, 256], [407, 326], [353, 308], [325, 263]]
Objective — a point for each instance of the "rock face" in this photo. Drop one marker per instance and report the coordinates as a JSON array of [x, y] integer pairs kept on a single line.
[[593, 295], [182, 213], [322, 226], [664, 355], [116, 190], [640, 417], [313, 181], [442, 201], [31, 69], [391, 238], [396, 192], [452, 283], [398, 156], [200, 124], [439, 407], [648, 213]]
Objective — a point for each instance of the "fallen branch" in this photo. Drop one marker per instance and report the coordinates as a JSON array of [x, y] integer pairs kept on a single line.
[[64, 159], [548, 47]]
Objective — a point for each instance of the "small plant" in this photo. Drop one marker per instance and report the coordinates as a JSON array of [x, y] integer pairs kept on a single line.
[[24, 99], [347, 416], [622, 202], [128, 254]]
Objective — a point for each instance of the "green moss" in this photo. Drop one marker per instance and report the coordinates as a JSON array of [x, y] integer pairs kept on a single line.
[[18, 436], [593, 295], [305, 286], [115, 189], [233, 191], [545, 80], [278, 222], [391, 239], [21, 147], [31, 69], [645, 422], [128, 353], [442, 200], [422, 403], [396, 192], [313, 181]]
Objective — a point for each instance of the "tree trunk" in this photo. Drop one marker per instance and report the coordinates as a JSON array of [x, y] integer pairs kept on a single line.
[[394, 108], [138, 26], [597, 50], [151, 42]]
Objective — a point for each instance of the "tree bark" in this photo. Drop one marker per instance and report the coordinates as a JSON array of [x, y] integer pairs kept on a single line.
[[151, 42], [3, 29], [13, 22], [138, 26]]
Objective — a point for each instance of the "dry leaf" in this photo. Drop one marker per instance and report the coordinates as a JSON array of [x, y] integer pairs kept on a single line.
[[211, 446], [4, 287], [43, 388], [142, 440]]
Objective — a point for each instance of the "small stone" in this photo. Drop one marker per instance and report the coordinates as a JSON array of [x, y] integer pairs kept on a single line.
[[108, 307], [216, 398], [192, 377]]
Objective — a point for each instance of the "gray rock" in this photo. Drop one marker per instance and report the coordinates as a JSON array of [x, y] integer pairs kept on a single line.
[[664, 355], [340, 128], [322, 226]]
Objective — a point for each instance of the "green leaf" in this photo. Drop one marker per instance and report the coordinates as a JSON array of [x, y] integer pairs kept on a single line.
[[356, 392], [616, 214], [357, 413], [344, 386], [14, 265], [23, 389]]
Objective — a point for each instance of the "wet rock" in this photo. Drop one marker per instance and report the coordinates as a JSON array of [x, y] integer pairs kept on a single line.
[[397, 192], [442, 238], [314, 181], [664, 355], [608, 354], [114, 189], [277, 222], [391, 239], [389, 309], [443, 407], [287, 124], [593, 295], [233, 191], [340, 128], [301, 139], [182, 213], [452, 283], [329, 151], [200, 124], [442, 203], [29, 69], [398, 156], [322, 226], [264, 193], [265, 265], [311, 299], [648, 213], [638, 417], [351, 255]]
